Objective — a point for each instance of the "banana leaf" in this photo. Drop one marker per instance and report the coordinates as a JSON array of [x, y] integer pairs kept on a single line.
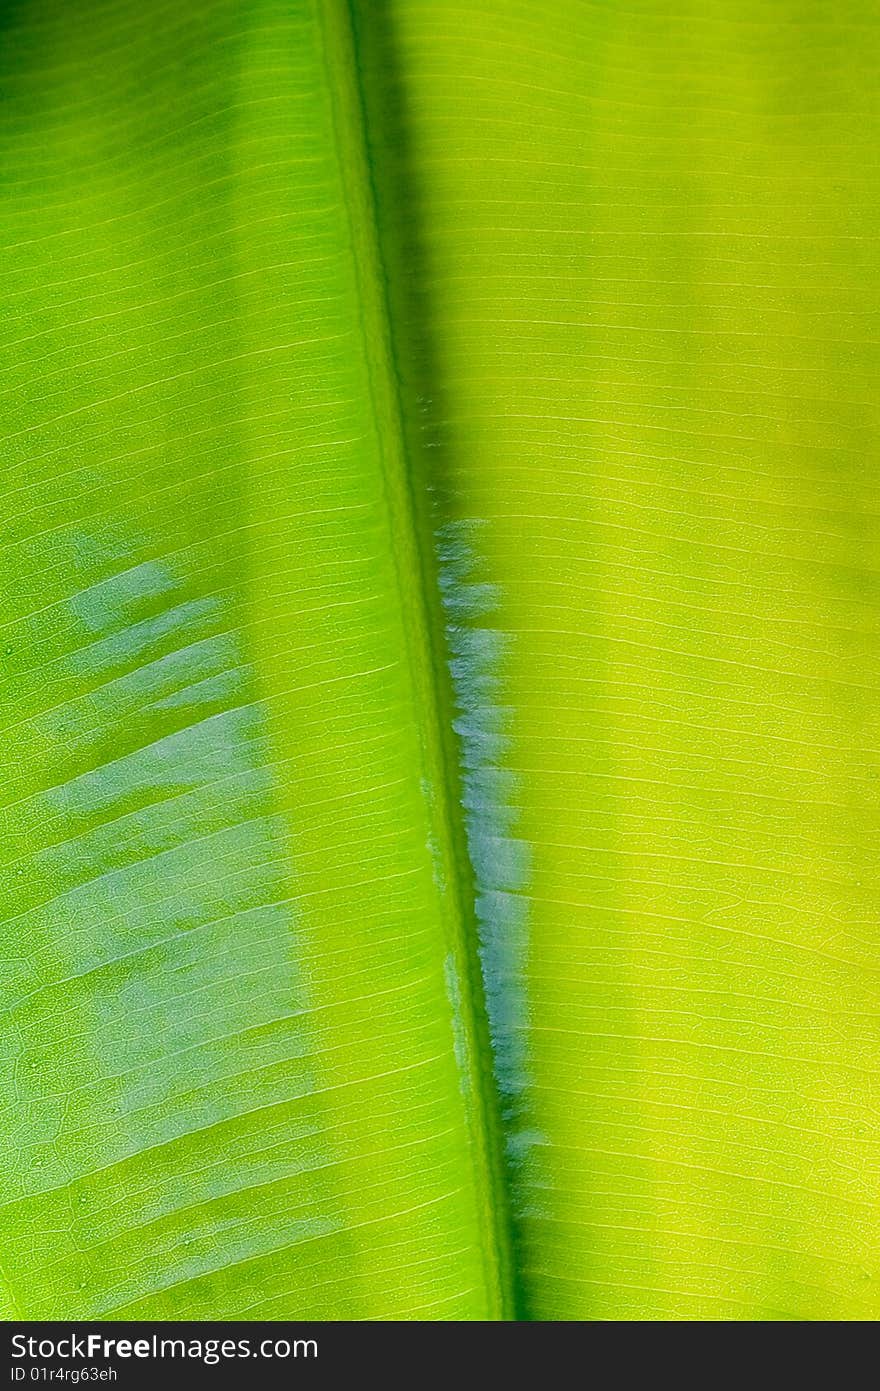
[[439, 642]]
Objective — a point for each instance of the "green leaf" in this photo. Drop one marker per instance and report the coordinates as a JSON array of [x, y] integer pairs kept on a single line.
[[438, 660], [240, 1074]]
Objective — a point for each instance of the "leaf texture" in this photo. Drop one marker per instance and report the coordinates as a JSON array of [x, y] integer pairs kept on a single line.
[[646, 248], [438, 660], [238, 1073]]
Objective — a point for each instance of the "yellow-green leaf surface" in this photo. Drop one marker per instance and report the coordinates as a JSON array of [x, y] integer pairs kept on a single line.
[[649, 265], [439, 648]]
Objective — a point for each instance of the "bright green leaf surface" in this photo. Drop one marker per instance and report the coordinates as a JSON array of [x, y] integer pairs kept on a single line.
[[591, 290], [232, 951]]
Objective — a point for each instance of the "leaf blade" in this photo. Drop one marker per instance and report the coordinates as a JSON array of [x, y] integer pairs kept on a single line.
[[648, 265], [235, 1081]]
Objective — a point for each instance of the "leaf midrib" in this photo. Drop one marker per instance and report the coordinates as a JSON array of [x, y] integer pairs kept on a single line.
[[415, 567]]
